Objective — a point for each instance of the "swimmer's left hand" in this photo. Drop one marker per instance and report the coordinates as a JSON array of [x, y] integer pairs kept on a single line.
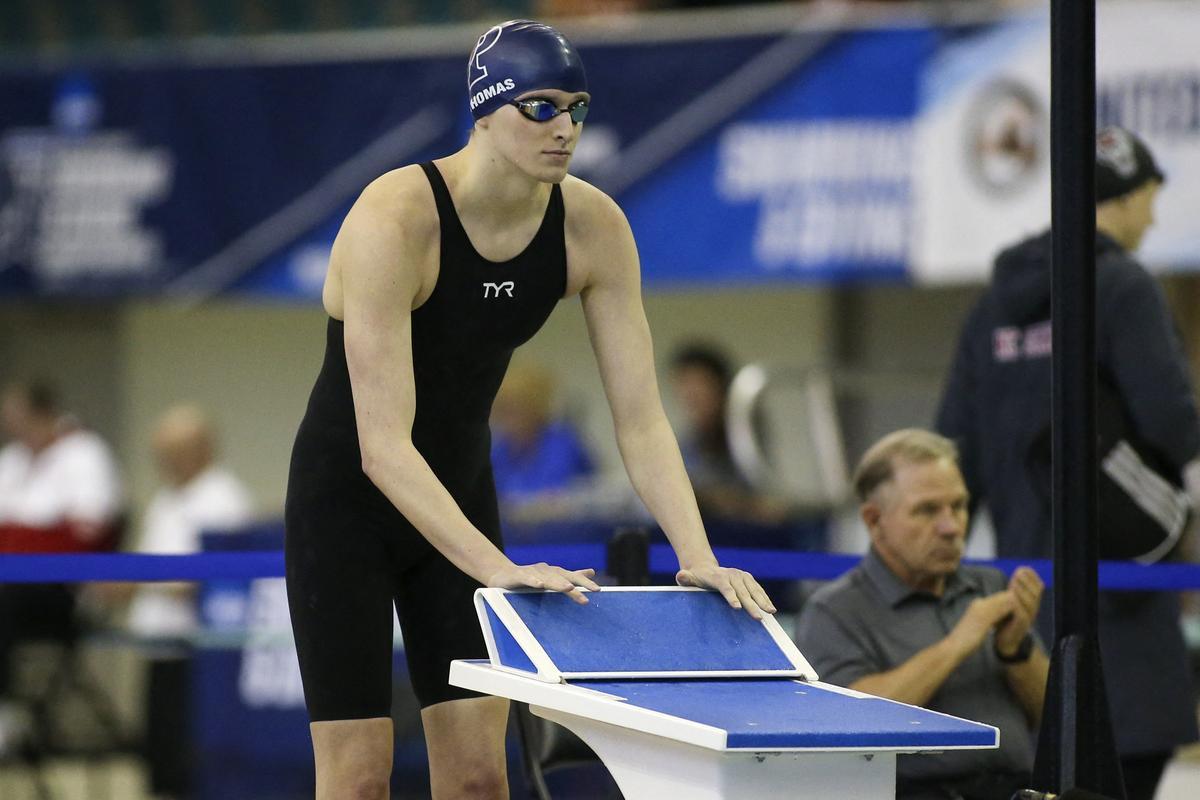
[[738, 587]]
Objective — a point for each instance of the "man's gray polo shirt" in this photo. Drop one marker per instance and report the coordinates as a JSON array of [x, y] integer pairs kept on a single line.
[[868, 621]]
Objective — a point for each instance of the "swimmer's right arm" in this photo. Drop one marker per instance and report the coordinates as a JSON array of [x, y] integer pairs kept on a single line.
[[378, 255]]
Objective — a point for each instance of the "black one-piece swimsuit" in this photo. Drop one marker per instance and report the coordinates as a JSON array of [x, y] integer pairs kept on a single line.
[[350, 554]]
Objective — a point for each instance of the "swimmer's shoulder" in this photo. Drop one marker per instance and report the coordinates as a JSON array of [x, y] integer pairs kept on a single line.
[[590, 214], [400, 200], [599, 241], [393, 222]]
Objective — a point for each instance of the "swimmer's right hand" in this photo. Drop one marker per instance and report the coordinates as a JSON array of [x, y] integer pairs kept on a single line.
[[545, 576]]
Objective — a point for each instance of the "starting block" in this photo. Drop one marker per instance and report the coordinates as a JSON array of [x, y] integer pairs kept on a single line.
[[682, 696]]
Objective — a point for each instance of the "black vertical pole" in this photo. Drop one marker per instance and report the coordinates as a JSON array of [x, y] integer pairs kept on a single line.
[[629, 557], [1075, 746]]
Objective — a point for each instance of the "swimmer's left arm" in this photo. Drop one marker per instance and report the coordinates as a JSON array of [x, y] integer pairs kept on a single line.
[[620, 337]]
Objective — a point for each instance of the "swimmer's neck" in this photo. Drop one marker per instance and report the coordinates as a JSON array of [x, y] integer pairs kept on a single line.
[[486, 185]]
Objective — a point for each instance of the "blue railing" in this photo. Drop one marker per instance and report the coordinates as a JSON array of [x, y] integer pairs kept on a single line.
[[764, 564]]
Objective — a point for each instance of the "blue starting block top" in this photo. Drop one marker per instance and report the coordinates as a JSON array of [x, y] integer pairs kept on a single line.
[[667, 632], [766, 714], [680, 663]]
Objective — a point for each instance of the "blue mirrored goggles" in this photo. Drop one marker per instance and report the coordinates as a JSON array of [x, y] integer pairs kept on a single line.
[[539, 109]]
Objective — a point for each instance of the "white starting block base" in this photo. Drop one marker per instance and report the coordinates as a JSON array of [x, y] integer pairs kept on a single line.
[[684, 698], [657, 755], [646, 766]]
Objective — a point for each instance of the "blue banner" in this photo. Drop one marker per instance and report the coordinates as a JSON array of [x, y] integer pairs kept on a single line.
[[170, 178], [810, 180]]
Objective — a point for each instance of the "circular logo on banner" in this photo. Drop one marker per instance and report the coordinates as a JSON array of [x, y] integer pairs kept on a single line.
[[1005, 137]]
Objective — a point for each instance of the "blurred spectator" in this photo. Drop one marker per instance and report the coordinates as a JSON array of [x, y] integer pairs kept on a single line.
[[700, 375], [911, 623], [534, 455], [197, 495], [997, 407], [59, 492]]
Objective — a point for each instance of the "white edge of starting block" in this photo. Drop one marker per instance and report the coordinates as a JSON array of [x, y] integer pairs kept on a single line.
[[789, 649], [522, 687], [549, 672]]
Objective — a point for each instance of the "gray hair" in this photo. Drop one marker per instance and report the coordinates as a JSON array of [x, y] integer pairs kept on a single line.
[[913, 445]]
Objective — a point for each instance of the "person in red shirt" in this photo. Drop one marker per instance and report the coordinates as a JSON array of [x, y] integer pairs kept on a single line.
[[60, 492]]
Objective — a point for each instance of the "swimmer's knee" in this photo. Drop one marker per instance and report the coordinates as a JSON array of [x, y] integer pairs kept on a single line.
[[368, 788], [353, 759], [477, 783], [357, 781]]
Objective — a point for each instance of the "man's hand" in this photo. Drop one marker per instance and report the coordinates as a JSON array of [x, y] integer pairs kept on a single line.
[[982, 615], [1026, 588], [544, 576], [738, 587]]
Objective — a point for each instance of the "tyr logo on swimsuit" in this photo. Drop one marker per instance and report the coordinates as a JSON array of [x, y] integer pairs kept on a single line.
[[494, 289]]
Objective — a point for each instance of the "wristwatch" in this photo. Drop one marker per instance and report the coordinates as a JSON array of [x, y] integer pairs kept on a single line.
[[1020, 655]]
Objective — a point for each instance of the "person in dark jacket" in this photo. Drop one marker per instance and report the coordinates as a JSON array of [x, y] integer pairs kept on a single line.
[[996, 406]]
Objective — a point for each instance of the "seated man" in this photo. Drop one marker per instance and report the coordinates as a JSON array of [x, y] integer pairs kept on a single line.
[[912, 624]]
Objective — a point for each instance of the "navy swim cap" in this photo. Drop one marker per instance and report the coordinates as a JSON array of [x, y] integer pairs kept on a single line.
[[517, 56]]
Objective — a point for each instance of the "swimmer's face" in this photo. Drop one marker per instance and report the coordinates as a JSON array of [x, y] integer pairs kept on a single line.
[[540, 149]]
